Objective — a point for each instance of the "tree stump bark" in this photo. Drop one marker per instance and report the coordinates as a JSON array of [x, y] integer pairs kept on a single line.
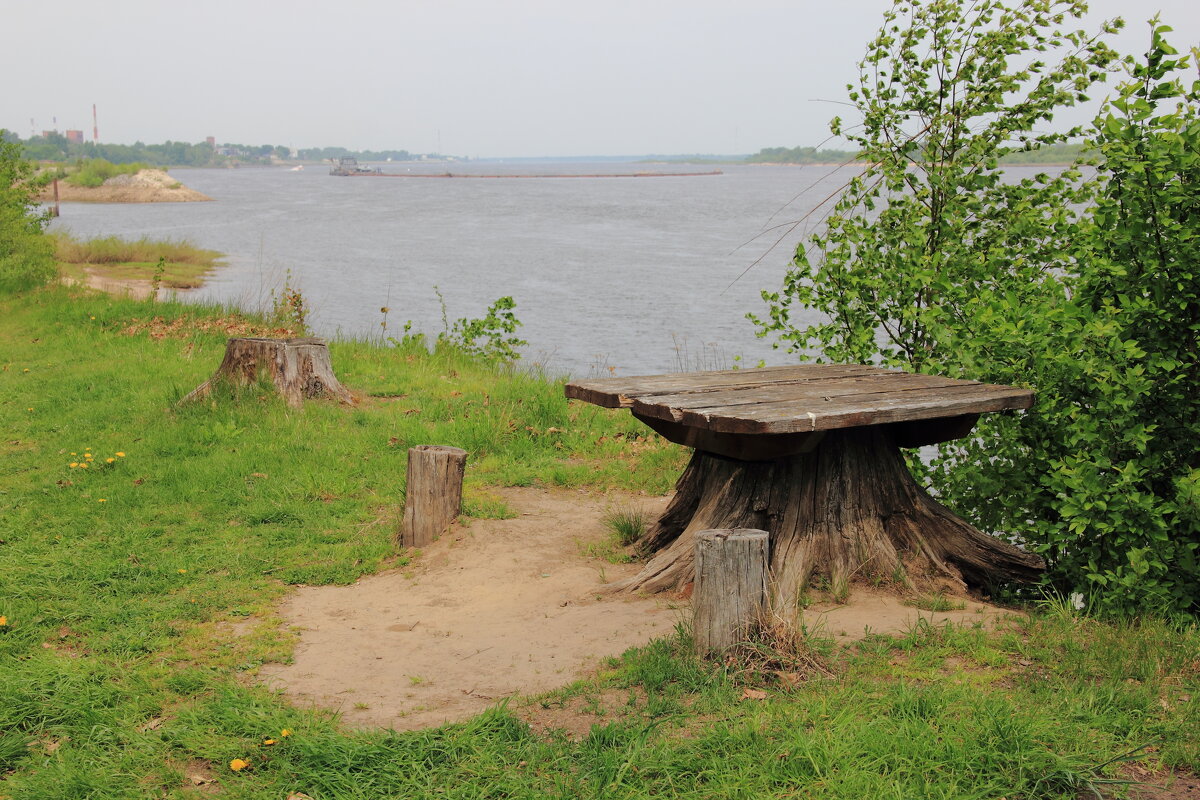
[[433, 498], [731, 587], [299, 368], [847, 509]]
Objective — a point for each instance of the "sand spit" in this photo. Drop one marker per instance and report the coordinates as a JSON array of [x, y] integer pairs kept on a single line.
[[146, 186]]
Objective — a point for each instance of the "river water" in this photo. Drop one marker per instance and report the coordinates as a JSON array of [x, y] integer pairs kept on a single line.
[[611, 275]]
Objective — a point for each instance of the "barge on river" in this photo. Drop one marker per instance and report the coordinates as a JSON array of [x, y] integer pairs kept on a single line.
[[348, 165]]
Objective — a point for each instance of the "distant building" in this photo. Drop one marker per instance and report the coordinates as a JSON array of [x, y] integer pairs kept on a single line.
[[212, 142], [75, 136]]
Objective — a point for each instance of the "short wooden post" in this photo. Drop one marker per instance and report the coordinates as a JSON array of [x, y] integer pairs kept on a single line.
[[434, 496], [731, 586]]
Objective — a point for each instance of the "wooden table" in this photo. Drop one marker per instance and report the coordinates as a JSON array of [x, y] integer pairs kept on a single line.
[[811, 454]]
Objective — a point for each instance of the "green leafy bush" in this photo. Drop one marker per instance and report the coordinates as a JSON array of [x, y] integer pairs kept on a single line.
[[492, 336], [490, 339], [1125, 474], [94, 172], [26, 256], [1084, 289]]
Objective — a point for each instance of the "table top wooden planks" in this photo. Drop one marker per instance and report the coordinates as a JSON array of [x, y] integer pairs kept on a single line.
[[797, 399]]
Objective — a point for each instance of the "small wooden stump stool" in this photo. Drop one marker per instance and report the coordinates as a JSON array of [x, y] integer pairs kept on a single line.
[[299, 368], [731, 586], [434, 495]]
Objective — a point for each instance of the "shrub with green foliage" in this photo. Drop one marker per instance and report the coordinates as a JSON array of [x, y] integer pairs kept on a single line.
[[1118, 503], [26, 256], [492, 337], [1082, 288], [94, 172]]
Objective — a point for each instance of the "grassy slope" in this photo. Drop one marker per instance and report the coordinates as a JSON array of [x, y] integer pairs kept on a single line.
[[123, 583]]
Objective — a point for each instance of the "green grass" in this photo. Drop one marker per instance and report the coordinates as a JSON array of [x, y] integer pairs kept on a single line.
[[936, 602], [627, 524], [184, 265], [133, 626]]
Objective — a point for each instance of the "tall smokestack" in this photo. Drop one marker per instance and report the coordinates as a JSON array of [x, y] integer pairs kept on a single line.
[[95, 126]]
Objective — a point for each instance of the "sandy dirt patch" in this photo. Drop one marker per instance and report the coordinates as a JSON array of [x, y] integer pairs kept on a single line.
[[504, 608], [871, 611], [494, 609], [133, 287], [147, 186]]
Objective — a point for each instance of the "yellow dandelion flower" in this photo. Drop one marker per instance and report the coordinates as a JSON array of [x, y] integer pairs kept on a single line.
[[83, 465], [109, 460], [120, 454], [3, 622], [74, 464], [88, 456], [101, 500], [238, 764], [285, 733], [74, 454], [182, 571], [268, 742], [29, 409]]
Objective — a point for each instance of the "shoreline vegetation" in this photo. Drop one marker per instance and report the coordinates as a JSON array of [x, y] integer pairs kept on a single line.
[[147, 546], [140, 267]]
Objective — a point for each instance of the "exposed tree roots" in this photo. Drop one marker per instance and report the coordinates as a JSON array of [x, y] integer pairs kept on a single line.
[[849, 509]]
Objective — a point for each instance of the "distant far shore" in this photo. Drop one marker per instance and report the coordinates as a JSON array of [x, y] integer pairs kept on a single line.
[[830, 164], [833, 164], [146, 186]]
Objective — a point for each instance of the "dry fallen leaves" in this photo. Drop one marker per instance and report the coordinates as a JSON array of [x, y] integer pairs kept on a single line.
[[789, 680]]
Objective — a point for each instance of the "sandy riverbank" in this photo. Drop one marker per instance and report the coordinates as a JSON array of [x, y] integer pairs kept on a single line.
[[147, 186]]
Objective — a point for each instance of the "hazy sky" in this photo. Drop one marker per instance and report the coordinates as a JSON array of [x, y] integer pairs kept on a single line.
[[467, 77]]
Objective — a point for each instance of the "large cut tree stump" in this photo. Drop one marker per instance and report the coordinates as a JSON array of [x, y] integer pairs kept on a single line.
[[731, 587], [433, 498], [847, 509], [811, 454], [299, 368]]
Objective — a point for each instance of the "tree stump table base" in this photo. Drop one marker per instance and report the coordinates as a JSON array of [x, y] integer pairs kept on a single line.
[[847, 510], [811, 454]]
